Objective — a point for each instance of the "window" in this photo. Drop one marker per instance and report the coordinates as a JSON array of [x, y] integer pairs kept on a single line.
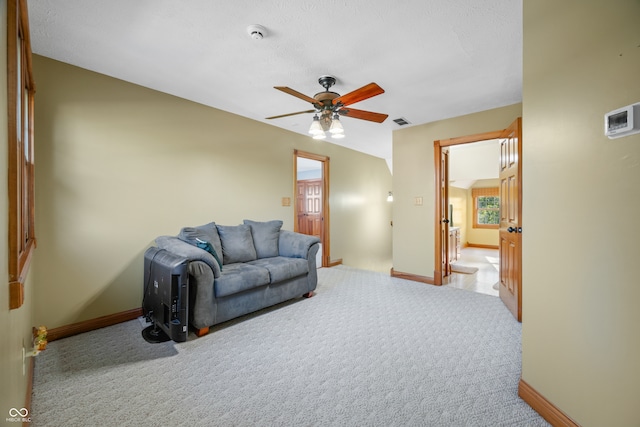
[[486, 207], [20, 93]]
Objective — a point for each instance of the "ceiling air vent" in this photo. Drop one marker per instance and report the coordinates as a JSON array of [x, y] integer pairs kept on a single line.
[[401, 121]]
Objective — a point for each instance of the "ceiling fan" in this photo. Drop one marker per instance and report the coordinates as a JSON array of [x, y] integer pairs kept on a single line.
[[330, 105]]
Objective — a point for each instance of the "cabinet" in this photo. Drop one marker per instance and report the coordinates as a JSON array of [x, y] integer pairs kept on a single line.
[[454, 244]]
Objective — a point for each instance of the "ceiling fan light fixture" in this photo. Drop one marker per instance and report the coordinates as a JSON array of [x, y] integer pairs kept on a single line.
[[336, 127], [328, 107], [316, 127]]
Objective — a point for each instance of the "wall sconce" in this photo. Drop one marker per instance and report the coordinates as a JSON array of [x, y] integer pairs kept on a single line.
[[390, 197]]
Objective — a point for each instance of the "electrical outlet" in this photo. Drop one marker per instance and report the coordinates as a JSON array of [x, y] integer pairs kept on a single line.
[[418, 201]]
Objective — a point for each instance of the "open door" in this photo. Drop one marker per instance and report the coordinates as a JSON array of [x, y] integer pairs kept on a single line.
[[511, 218], [444, 213]]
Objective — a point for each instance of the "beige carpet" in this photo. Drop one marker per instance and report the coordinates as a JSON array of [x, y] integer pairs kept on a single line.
[[367, 350]]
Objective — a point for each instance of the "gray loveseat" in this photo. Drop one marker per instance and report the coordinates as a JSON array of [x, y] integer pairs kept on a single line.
[[236, 270]]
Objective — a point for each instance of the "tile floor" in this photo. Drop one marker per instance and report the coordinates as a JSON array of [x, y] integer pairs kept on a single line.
[[483, 281]]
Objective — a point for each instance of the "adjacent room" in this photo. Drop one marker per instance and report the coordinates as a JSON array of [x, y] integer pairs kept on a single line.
[[334, 213], [474, 220]]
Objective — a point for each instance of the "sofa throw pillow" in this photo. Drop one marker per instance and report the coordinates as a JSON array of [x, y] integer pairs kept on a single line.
[[207, 232], [207, 247], [237, 243], [265, 237]]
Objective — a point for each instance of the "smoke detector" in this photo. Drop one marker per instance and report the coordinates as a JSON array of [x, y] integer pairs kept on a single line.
[[256, 32]]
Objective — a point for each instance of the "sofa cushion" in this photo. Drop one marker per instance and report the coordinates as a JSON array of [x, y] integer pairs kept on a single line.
[[237, 243], [265, 237], [239, 277], [282, 268], [207, 232]]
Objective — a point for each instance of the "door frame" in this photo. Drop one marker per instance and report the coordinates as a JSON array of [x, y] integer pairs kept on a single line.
[[438, 145], [324, 235]]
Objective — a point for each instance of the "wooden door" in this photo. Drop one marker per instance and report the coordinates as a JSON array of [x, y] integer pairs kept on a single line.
[[444, 212], [309, 204], [511, 218]]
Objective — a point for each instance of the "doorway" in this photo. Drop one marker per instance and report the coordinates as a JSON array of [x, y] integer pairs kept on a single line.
[[311, 202], [510, 212], [473, 217]]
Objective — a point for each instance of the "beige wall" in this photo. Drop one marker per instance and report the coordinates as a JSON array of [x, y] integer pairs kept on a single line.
[[581, 322], [118, 165], [16, 324], [413, 225]]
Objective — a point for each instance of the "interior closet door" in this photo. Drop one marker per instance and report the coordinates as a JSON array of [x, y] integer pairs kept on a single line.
[[309, 204]]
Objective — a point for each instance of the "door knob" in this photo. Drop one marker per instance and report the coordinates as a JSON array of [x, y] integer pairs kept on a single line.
[[512, 230], [446, 221]]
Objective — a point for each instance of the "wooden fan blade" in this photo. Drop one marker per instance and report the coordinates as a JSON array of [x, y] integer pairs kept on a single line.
[[297, 94], [291, 114], [372, 89], [364, 115]]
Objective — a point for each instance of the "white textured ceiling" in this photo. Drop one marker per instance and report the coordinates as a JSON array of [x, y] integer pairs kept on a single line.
[[434, 58]]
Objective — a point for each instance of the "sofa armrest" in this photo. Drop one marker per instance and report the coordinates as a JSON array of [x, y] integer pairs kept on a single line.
[[202, 301], [295, 245], [186, 250]]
